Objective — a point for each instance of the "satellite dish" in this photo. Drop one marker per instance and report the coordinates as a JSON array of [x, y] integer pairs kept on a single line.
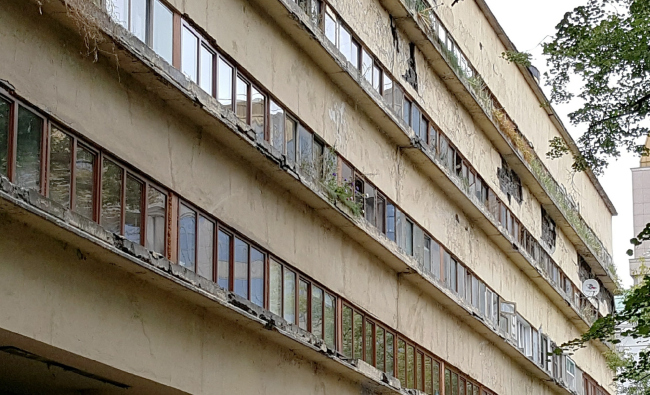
[[590, 288]]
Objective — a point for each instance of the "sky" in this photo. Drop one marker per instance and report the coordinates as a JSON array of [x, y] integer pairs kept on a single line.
[[528, 23]]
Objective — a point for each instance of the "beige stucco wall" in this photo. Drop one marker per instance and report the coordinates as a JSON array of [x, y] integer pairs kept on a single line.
[[124, 117]]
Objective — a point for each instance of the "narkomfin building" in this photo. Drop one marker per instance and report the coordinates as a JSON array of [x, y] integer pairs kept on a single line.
[[288, 197]]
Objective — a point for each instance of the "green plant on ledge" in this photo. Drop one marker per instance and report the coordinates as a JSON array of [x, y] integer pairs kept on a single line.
[[342, 191]]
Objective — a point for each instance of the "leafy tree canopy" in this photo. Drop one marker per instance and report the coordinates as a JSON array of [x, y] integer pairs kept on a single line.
[[606, 45]]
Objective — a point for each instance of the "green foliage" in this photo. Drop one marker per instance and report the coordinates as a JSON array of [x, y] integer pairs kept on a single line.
[[632, 321], [605, 45], [516, 57], [644, 235], [339, 190]]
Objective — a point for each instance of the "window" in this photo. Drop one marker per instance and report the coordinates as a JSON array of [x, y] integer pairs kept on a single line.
[[187, 237], [406, 114], [205, 248], [388, 90], [370, 200], [390, 222], [376, 78], [275, 287], [162, 31], [224, 83], [289, 296], [435, 259], [398, 100], [524, 341], [305, 152], [408, 237], [190, 54], [277, 126], [427, 254], [241, 99], [84, 182], [133, 210], [111, 208], [241, 268], [206, 69], [366, 66], [330, 25], [345, 43], [224, 248], [5, 130], [415, 120], [290, 137], [258, 113], [571, 373], [29, 142]]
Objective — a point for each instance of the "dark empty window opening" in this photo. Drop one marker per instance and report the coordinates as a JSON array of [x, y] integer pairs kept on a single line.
[[411, 75], [548, 230], [509, 182]]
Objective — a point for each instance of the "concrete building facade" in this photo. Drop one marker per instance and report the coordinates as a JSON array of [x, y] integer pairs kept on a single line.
[[279, 196], [641, 216]]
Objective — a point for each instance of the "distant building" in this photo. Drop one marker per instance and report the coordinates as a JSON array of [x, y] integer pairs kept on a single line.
[[640, 264], [287, 197]]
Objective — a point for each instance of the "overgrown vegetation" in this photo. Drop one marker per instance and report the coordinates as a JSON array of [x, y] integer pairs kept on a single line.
[[337, 189], [520, 58]]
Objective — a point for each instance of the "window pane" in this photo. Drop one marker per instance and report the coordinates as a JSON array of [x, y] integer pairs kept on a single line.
[[427, 254], [401, 361], [190, 54], [319, 157], [447, 382], [436, 377], [390, 358], [290, 138], [303, 304], [163, 31], [241, 106], [224, 88], [398, 100], [415, 120], [379, 349], [330, 320], [258, 112], [275, 291], [419, 361], [376, 78], [330, 28], [369, 342], [187, 237], [390, 222], [454, 384], [410, 367], [277, 126], [133, 210], [366, 66], [358, 336], [60, 162], [206, 69], [289, 296], [257, 277], [28, 151], [111, 196], [381, 214], [435, 259], [5, 110], [428, 378], [370, 204], [241, 268], [306, 148], [223, 256], [206, 248], [119, 11], [156, 209], [347, 332], [406, 113], [388, 90], [317, 312], [345, 43], [354, 54], [139, 19], [408, 237], [84, 182]]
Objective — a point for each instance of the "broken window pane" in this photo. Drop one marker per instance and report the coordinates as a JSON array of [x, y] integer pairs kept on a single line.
[[111, 215], [84, 182], [347, 331], [224, 83], [289, 297], [189, 54], [366, 66], [401, 361], [368, 337], [390, 356], [156, 209], [290, 138], [205, 248], [330, 320], [388, 90], [206, 69], [379, 349], [119, 11], [275, 287], [60, 163], [277, 127], [223, 256], [28, 150], [257, 277], [317, 311], [139, 19], [258, 112], [186, 237], [163, 30], [303, 306], [240, 274], [133, 210]]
